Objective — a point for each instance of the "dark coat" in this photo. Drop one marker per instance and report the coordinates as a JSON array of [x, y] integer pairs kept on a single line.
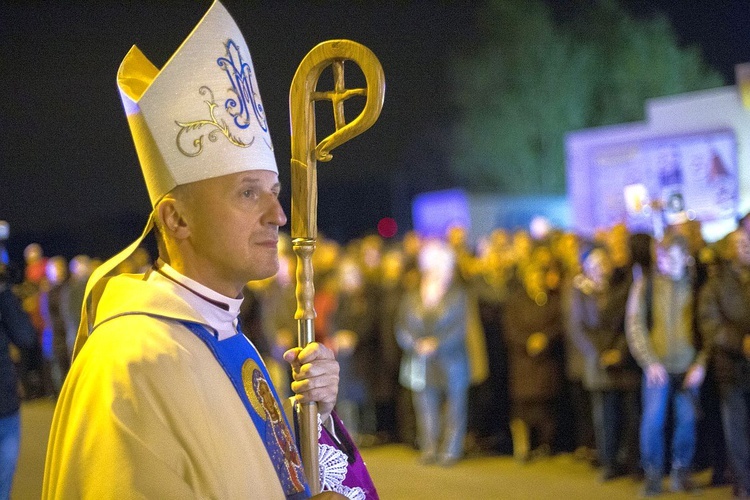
[[724, 320], [356, 312], [15, 328], [533, 378], [597, 324], [389, 354]]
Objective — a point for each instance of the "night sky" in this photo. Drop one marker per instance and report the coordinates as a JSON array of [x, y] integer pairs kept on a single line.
[[69, 176]]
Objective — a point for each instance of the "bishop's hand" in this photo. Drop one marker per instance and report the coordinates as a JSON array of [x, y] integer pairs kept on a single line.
[[316, 376]]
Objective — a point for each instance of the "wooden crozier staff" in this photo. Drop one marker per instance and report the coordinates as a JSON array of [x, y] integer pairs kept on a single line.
[[305, 154]]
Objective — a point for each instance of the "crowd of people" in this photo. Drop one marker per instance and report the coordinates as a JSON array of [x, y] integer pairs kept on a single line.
[[611, 347]]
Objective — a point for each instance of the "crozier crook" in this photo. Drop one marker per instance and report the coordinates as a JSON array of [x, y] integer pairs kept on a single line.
[[305, 154]]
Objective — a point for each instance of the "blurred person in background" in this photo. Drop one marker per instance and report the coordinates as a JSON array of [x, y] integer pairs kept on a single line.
[[54, 305], [383, 382], [325, 259], [356, 346], [394, 412], [659, 328], [724, 319], [80, 270], [15, 329], [710, 449], [617, 240], [431, 331], [597, 326], [566, 250], [521, 248], [411, 245], [369, 255], [533, 329], [35, 260], [456, 238], [34, 376], [493, 269], [479, 398]]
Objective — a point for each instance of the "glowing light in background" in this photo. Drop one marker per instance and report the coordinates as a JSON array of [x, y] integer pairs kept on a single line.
[[387, 227], [435, 212]]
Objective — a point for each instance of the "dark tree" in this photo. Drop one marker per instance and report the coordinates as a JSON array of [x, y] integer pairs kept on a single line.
[[534, 76]]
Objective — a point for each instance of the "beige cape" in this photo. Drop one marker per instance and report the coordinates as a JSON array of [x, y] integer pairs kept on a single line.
[[147, 412]]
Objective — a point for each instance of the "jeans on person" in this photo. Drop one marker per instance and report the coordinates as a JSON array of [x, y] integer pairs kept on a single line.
[[427, 404], [653, 422], [10, 443], [734, 414], [615, 415]]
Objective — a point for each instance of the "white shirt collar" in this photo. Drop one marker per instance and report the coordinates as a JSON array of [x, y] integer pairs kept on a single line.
[[219, 311]]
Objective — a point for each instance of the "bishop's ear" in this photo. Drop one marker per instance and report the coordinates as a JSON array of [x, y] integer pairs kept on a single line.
[[171, 217]]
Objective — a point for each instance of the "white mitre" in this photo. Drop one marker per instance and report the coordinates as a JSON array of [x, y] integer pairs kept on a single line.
[[198, 117], [201, 115]]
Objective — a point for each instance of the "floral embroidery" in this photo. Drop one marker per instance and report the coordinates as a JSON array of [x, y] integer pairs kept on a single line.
[[218, 126]]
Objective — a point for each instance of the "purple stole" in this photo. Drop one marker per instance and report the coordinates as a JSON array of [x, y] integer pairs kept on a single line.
[[357, 475]]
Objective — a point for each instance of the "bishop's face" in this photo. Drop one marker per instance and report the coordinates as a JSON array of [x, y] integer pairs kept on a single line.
[[234, 225]]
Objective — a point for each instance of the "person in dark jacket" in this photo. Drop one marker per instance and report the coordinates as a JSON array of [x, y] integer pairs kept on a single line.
[[724, 320], [16, 329], [597, 328], [356, 346], [533, 330], [386, 387]]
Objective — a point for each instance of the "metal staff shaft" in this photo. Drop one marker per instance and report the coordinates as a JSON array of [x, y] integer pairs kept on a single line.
[[305, 154]]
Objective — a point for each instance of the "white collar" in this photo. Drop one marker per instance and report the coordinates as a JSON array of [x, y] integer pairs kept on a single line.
[[219, 311]]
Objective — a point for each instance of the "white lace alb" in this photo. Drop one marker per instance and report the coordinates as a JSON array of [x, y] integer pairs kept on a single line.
[[333, 464]]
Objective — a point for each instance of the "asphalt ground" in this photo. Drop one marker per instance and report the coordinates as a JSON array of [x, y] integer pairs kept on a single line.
[[398, 474]]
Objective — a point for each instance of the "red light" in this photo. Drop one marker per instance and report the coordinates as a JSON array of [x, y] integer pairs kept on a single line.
[[387, 227]]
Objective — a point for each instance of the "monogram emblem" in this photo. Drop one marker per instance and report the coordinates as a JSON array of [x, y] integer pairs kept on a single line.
[[240, 76], [242, 108]]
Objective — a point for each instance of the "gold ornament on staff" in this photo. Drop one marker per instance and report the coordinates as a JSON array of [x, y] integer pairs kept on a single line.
[[305, 154]]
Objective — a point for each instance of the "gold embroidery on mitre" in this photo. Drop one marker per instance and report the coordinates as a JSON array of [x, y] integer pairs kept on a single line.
[[218, 126]]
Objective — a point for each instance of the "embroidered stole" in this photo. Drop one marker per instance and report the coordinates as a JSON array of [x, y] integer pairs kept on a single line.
[[245, 368]]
